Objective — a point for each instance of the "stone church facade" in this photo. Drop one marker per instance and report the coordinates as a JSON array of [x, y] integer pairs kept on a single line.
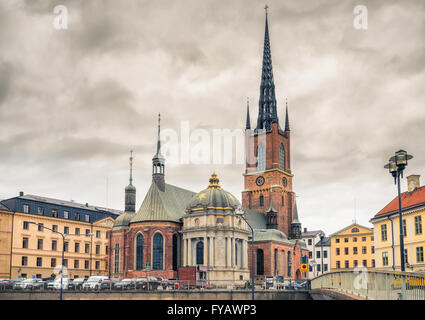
[[175, 227]]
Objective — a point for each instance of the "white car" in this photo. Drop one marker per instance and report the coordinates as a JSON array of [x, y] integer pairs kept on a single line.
[[93, 283], [57, 284], [29, 284]]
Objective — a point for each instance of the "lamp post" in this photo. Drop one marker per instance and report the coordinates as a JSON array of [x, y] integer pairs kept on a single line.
[[321, 252], [241, 213], [395, 166], [63, 250]]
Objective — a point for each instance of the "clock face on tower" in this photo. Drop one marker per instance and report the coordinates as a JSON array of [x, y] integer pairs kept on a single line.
[[284, 182], [260, 181]]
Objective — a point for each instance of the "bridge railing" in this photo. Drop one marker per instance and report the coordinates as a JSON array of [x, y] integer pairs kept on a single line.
[[374, 284]]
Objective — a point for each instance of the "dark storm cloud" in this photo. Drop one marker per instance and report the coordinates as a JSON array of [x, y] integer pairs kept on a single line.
[[74, 102]]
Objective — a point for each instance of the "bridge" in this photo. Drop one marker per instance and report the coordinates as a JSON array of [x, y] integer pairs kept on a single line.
[[371, 284]]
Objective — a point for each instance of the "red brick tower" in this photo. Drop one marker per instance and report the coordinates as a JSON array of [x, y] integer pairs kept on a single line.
[[268, 178]]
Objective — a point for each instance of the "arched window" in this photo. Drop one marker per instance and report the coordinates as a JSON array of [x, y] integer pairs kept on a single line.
[[355, 230], [261, 201], [275, 261], [200, 252], [158, 250], [289, 264], [282, 157], [261, 157], [260, 262], [139, 252], [117, 259], [174, 252]]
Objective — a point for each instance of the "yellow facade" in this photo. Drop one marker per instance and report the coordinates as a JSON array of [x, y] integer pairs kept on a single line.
[[33, 252], [352, 246], [387, 240]]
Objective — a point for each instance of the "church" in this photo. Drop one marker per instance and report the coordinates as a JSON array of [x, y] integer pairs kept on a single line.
[[175, 228]]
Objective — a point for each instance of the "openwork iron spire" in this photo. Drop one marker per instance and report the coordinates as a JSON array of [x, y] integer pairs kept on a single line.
[[131, 167], [287, 117], [248, 120], [267, 111]]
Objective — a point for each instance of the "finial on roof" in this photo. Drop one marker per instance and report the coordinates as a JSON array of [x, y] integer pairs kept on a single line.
[[214, 182]]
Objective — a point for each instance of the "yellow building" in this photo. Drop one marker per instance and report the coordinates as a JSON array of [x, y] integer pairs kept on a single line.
[[351, 247], [28, 249], [387, 230]]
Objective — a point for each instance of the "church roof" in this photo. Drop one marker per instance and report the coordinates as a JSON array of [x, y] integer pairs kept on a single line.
[[167, 205], [256, 219]]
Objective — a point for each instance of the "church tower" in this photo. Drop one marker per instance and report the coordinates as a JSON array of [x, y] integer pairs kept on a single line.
[[268, 177]]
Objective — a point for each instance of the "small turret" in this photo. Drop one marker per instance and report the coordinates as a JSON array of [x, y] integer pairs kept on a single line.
[[296, 225]]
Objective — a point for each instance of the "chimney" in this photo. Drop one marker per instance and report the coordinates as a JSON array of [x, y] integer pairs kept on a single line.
[[305, 230], [21, 194], [413, 182]]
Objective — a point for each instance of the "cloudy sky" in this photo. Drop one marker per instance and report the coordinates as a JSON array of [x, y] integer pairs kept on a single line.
[[74, 102]]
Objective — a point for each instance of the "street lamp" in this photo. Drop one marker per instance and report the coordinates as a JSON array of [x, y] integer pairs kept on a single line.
[[396, 164], [241, 214], [63, 249], [321, 252]]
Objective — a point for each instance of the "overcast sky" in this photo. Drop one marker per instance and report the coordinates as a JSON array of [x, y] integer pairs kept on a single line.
[[74, 102]]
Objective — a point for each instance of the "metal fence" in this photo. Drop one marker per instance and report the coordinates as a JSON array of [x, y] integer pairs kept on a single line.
[[374, 284]]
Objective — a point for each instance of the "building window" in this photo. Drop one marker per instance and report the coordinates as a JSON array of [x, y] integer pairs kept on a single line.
[[77, 231], [282, 157], [54, 245], [355, 239], [175, 247], [24, 261], [385, 258], [97, 265], [288, 263], [404, 228], [337, 251], [310, 242], [345, 239], [345, 251], [39, 261], [86, 264], [87, 248], [310, 254], [364, 250], [77, 216], [406, 260], [40, 227], [87, 232], [355, 230], [97, 249], [97, 234], [363, 238], [55, 228], [66, 214], [260, 262], [364, 263], [200, 252], [355, 250], [338, 265], [317, 254], [325, 254], [261, 157], [384, 232], [25, 243], [372, 249], [65, 263], [337, 240], [355, 263], [53, 262], [318, 267], [54, 213], [106, 250], [373, 263], [26, 208], [158, 249], [77, 247], [65, 246], [117, 258], [40, 244], [66, 230], [87, 218], [40, 210], [261, 201], [419, 254], [139, 252], [26, 225], [418, 225], [76, 264], [347, 264], [371, 238]]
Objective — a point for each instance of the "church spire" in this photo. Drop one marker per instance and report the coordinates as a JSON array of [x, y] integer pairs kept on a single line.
[[130, 190], [267, 111], [248, 120], [131, 167], [287, 117], [158, 162]]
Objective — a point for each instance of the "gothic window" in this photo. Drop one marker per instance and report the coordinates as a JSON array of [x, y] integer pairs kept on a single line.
[[261, 201], [261, 157], [260, 262], [275, 261], [158, 249], [289, 263], [200, 252], [175, 252], [139, 252], [282, 157], [117, 258]]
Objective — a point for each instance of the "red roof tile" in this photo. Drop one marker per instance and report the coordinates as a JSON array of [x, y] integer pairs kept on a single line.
[[408, 199]]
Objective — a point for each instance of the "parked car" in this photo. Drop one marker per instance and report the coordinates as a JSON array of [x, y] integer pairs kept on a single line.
[[300, 285], [93, 283], [30, 284], [76, 284], [126, 284], [56, 284], [6, 284], [108, 284]]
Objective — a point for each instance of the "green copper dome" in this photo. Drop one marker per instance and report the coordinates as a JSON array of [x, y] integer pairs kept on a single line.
[[214, 198]]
